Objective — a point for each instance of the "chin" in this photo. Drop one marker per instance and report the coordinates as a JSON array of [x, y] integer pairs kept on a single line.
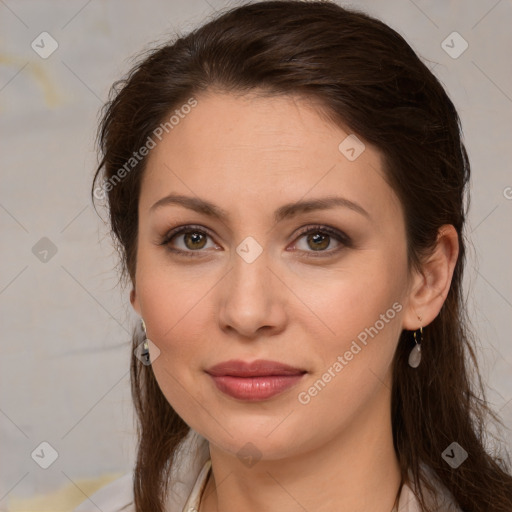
[[262, 443]]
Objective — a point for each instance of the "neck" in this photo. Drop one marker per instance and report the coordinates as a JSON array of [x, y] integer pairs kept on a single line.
[[356, 470]]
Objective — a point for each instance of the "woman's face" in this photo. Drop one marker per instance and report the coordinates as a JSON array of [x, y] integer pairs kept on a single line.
[[249, 285]]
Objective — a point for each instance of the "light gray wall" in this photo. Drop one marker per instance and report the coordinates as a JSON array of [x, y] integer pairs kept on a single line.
[[65, 344]]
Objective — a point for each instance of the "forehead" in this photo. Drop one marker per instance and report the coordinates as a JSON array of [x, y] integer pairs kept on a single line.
[[252, 147], [255, 123]]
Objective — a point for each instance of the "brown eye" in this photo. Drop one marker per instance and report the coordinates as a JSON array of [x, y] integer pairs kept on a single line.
[[186, 240], [190, 241], [194, 240], [318, 241]]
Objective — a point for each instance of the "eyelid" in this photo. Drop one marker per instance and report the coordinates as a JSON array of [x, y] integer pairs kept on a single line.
[[339, 235], [343, 239], [182, 230]]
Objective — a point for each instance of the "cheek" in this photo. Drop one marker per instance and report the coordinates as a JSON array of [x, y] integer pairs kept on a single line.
[[176, 314], [168, 295], [354, 362], [340, 306]]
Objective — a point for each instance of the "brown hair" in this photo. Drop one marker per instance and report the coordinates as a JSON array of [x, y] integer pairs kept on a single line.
[[368, 78]]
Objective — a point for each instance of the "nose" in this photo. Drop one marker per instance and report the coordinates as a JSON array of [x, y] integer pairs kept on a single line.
[[251, 300]]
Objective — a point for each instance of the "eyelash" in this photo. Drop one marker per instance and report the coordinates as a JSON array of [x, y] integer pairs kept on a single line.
[[343, 239]]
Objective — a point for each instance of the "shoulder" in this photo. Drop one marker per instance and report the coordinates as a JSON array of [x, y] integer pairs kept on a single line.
[[117, 496]]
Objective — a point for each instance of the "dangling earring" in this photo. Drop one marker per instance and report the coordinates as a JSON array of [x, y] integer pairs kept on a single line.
[[415, 355], [142, 350], [145, 349]]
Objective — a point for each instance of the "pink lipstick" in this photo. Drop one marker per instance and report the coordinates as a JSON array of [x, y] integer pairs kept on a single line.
[[258, 380]]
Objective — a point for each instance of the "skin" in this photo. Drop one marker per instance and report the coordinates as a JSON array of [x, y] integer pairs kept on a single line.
[[250, 155]]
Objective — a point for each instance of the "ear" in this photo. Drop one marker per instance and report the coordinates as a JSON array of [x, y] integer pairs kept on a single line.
[[431, 285], [135, 301]]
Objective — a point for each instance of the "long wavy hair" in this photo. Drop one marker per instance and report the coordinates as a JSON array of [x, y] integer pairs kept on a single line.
[[365, 77]]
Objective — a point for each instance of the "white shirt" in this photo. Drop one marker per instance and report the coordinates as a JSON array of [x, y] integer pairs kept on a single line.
[[190, 471]]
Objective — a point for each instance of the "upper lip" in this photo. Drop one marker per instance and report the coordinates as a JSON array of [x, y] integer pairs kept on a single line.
[[239, 368]]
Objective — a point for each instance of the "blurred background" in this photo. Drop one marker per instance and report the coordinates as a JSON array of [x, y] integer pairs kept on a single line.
[[66, 419]]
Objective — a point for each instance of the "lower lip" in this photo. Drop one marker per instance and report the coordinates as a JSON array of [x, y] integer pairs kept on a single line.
[[255, 388]]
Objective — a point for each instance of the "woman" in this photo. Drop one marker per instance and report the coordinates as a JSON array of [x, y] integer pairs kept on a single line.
[[286, 185]]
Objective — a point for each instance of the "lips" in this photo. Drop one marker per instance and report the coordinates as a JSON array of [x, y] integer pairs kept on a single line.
[[258, 368], [255, 381]]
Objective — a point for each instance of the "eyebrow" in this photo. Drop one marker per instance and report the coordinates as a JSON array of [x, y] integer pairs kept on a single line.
[[286, 211]]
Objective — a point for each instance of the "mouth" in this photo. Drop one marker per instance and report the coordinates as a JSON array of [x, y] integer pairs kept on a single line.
[[255, 381]]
